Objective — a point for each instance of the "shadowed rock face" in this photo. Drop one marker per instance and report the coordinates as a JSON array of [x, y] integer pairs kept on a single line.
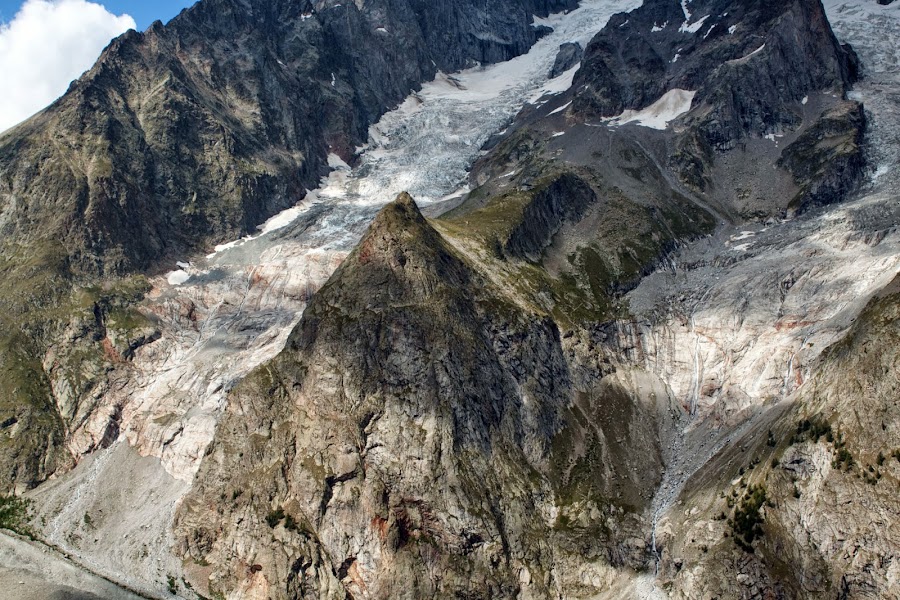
[[570, 54], [565, 199], [754, 67], [748, 63]]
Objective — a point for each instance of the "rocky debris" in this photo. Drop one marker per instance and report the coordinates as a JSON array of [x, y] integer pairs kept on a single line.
[[32, 572], [570, 54]]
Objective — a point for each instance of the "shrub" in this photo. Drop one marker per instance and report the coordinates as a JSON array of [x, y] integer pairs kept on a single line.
[[14, 514], [275, 517], [748, 519], [290, 524], [812, 430]]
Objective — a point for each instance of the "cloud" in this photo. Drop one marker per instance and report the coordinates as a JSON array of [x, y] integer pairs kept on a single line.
[[47, 45]]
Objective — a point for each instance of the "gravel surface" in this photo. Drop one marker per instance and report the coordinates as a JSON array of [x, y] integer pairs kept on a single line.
[[29, 571]]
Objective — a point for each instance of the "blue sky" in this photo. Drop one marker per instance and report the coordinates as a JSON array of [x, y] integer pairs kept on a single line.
[[143, 11]]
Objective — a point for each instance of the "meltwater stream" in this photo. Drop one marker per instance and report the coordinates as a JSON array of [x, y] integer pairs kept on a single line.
[[224, 314]]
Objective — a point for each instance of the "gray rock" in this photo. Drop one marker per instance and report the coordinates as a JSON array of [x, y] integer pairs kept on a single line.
[[570, 54]]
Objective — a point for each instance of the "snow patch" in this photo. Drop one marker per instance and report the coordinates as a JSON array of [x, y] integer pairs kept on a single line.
[[178, 277], [658, 115], [561, 108], [744, 59], [556, 86], [693, 27], [541, 22], [657, 28], [336, 162]]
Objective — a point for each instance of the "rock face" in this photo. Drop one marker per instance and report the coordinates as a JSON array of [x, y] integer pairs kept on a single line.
[[562, 199], [570, 54], [749, 64], [821, 159], [420, 437], [760, 71], [828, 470], [231, 111]]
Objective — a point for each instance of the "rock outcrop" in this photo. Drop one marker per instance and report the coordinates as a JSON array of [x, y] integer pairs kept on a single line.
[[761, 71], [825, 470], [570, 54], [562, 199], [750, 64]]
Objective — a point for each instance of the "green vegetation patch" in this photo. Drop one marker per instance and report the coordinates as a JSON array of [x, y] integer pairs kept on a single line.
[[746, 523], [14, 514]]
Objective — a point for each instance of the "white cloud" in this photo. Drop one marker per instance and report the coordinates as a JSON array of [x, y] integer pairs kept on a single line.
[[47, 45]]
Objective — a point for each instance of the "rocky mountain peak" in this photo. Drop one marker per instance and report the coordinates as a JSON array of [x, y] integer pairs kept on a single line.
[[400, 261], [194, 133], [402, 216]]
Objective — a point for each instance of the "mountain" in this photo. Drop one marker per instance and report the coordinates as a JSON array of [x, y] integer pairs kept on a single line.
[[179, 138], [431, 442], [647, 351]]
